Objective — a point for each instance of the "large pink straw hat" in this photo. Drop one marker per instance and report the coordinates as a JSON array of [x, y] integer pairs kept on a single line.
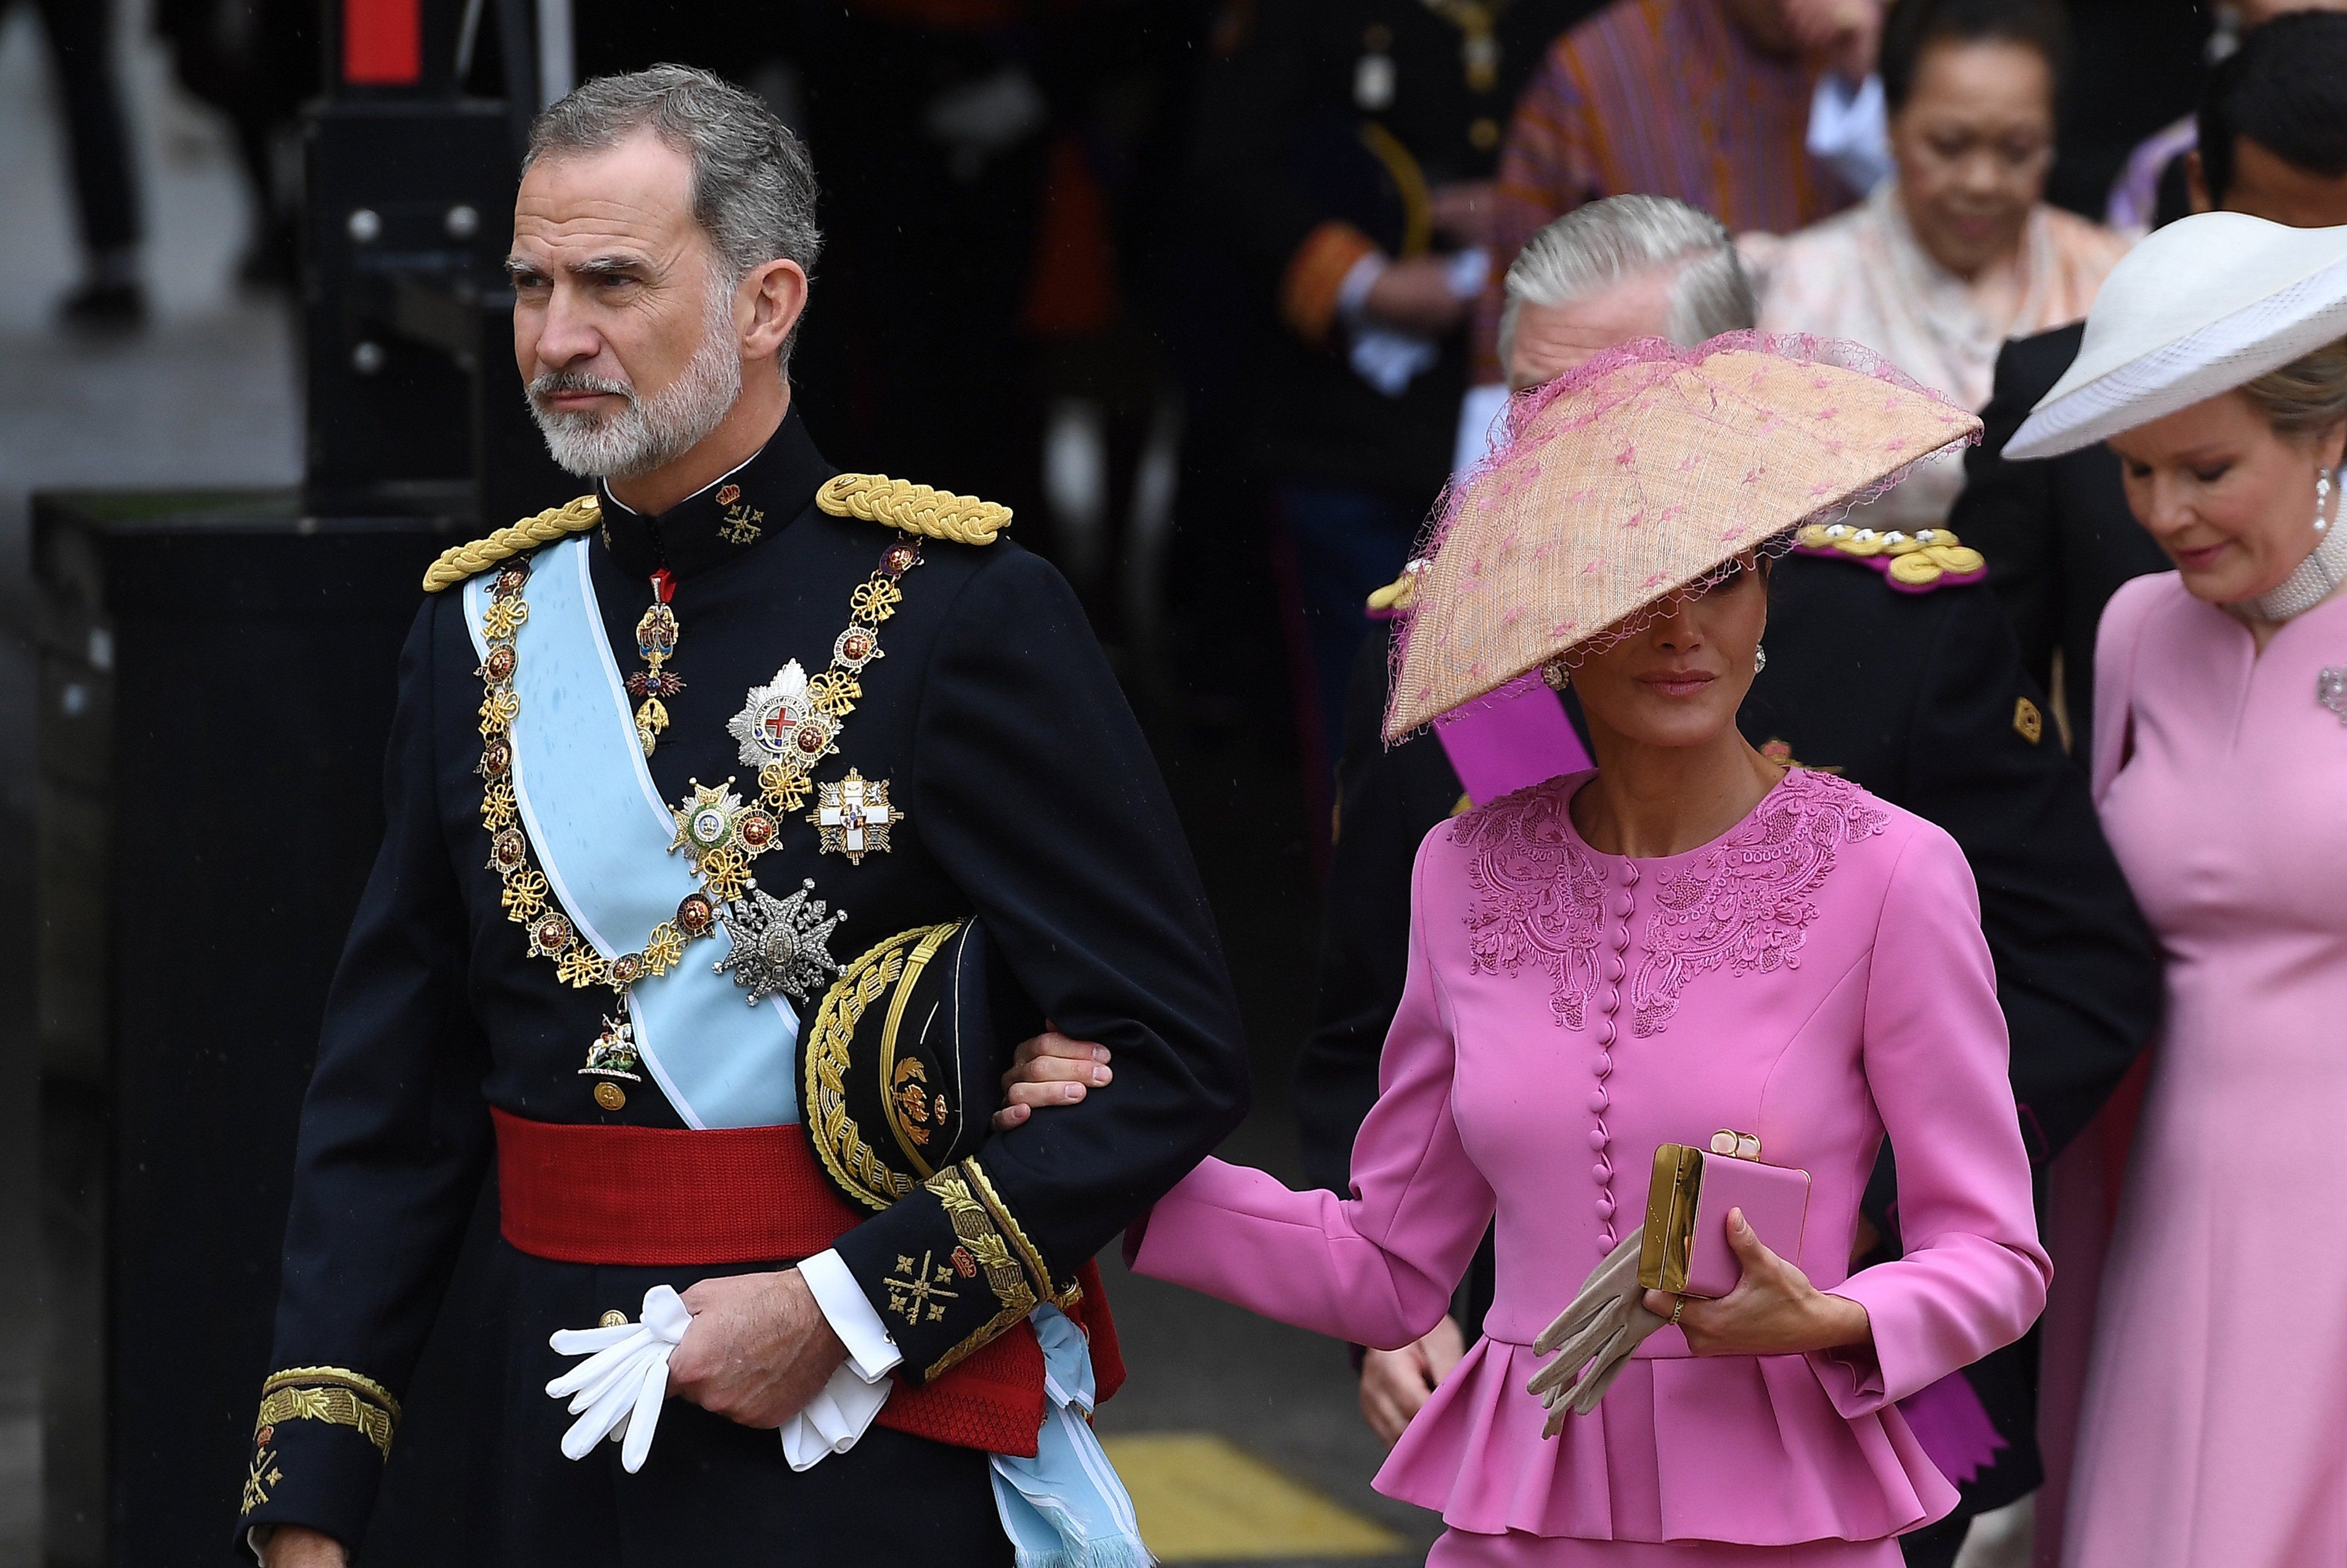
[[1636, 478]]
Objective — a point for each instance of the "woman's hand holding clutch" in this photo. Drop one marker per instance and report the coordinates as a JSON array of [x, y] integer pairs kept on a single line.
[[1593, 1336], [1774, 1310]]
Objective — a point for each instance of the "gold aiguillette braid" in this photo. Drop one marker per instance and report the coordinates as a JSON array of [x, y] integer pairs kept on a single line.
[[913, 509], [460, 561]]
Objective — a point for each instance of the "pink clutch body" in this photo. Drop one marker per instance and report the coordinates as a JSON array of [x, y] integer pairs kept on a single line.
[[1685, 1250]]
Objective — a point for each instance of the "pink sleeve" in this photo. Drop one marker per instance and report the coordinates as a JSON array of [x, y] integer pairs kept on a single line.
[[2116, 640], [1377, 1269], [1973, 1276]]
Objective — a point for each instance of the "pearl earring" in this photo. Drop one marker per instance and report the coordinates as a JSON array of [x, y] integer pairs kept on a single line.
[[2321, 501], [1759, 658]]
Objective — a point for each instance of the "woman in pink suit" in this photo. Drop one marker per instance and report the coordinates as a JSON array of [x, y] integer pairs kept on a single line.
[[2214, 1427], [1692, 938]]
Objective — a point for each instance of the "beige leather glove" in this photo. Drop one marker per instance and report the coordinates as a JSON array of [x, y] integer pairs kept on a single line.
[[1594, 1338]]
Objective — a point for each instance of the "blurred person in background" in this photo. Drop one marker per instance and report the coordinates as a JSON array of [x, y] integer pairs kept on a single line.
[[1709, 101], [2057, 534], [1958, 251], [110, 296], [1348, 147], [2214, 1427], [256, 61], [2153, 189], [1933, 728]]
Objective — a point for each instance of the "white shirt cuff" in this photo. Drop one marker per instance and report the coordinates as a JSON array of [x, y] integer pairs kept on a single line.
[[871, 1353], [1353, 293]]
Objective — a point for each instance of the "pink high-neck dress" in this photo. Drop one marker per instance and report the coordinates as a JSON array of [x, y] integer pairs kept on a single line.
[[2213, 1432], [1813, 977]]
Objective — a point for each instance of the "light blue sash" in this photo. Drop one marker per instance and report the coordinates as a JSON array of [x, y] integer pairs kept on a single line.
[[602, 833], [1067, 1507]]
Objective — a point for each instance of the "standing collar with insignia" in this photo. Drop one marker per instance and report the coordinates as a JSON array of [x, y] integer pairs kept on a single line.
[[714, 525]]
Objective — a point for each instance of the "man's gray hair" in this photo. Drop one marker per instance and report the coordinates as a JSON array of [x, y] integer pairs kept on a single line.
[[1593, 248], [753, 184]]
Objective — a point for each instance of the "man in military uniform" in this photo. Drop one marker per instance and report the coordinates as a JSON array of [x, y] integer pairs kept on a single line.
[[1918, 694], [1346, 147], [598, 850]]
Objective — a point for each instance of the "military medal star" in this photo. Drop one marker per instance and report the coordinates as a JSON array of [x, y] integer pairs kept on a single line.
[[780, 944], [855, 816]]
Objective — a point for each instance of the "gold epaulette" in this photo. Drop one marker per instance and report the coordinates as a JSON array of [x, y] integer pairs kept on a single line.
[[914, 508], [1926, 558], [1396, 595], [460, 561]]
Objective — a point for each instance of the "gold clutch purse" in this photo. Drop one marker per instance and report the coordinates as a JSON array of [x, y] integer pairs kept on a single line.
[[1684, 1249]]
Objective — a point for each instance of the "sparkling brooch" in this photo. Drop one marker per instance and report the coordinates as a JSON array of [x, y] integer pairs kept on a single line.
[[780, 944]]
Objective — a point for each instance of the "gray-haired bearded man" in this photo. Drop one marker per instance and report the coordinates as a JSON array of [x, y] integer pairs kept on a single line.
[[597, 848]]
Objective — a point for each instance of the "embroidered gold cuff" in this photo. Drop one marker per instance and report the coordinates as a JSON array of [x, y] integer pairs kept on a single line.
[[981, 1250], [1038, 1273], [331, 1393]]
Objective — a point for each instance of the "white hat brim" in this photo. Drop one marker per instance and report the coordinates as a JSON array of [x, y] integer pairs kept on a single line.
[[2201, 308]]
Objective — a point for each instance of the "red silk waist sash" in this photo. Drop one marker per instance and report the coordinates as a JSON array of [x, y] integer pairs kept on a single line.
[[664, 1197]]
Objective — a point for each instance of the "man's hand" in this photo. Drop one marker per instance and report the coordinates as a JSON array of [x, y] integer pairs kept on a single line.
[[1396, 1384], [1465, 211], [758, 1349], [1049, 1070], [1416, 296], [1774, 1310], [299, 1546]]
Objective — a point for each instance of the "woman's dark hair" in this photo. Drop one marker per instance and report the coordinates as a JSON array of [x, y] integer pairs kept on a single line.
[[2285, 88], [1915, 26]]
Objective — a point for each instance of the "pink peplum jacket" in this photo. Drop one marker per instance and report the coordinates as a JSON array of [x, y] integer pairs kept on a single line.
[[1815, 977]]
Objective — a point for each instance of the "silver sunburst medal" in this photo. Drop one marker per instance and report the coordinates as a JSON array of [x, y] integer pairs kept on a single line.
[[778, 724], [780, 944]]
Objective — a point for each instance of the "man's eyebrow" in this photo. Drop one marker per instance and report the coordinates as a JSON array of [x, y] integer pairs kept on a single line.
[[607, 267], [593, 269]]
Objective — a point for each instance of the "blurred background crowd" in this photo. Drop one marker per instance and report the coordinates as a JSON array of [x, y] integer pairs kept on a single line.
[[1207, 290]]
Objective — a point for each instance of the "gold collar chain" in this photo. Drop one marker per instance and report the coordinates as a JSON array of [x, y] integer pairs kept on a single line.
[[719, 836]]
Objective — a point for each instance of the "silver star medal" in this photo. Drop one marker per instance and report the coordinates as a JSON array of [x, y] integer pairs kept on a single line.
[[780, 944], [779, 723], [2331, 690]]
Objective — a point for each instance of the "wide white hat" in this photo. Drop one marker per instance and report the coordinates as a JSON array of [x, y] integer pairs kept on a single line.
[[2207, 304]]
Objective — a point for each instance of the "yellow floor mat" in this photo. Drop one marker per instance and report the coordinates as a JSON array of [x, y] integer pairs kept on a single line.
[[1202, 1499]]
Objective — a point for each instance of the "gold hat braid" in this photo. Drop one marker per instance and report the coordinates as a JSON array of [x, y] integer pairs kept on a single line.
[[460, 561]]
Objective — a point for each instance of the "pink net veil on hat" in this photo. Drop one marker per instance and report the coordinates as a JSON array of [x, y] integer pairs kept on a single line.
[[1636, 480]]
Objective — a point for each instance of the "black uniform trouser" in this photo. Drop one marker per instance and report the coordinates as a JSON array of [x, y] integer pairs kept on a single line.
[[485, 1482], [81, 36]]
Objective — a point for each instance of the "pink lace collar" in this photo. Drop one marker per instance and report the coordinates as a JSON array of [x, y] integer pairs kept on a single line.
[[1744, 901]]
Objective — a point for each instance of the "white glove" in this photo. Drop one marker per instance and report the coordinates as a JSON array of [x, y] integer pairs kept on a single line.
[[1605, 1322], [616, 1391], [834, 1418]]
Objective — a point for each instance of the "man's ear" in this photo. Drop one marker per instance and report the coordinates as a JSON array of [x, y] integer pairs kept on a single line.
[[768, 302], [2196, 182]]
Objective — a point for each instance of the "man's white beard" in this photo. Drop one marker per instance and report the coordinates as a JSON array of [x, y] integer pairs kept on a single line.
[[647, 432]]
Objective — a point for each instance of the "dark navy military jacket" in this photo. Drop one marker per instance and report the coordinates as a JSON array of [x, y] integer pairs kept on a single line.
[[1028, 798]]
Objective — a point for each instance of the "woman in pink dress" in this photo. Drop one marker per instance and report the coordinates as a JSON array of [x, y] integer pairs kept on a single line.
[[1693, 937], [2214, 1427]]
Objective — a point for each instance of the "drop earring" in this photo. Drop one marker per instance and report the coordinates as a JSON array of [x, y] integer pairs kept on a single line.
[[2321, 502], [1759, 658]]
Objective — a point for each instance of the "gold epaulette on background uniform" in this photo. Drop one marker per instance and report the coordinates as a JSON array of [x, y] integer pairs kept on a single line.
[[460, 561], [913, 509], [1913, 563]]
